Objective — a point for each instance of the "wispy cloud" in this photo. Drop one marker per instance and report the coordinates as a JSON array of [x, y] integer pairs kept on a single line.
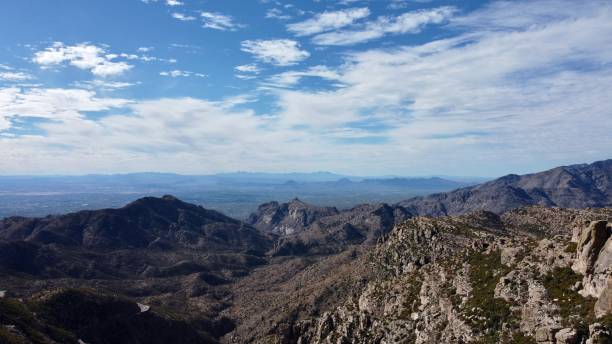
[[53, 104], [327, 21], [15, 76], [251, 68], [513, 81], [219, 21], [181, 73], [276, 13], [182, 17], [410, 22], [103, 84], [83, 56], [280, 52], [292, 78]]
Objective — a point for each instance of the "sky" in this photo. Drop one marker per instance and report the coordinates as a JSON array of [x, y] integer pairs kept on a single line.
[[386, 87]]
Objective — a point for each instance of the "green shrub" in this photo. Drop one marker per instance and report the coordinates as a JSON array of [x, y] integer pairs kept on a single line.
[[571, 247], [484, 312], [573, 307]]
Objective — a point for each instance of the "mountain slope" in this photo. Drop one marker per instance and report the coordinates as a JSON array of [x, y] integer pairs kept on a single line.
[[287, 218], [575, 186], [146, 222]]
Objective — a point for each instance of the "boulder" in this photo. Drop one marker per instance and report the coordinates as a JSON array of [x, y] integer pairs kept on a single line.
[[546, 335], [603, 305], [567, 336], [594, 261], [599, 333], [591, 241]]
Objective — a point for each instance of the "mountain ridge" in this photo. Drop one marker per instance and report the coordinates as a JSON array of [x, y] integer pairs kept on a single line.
[[573, 186]]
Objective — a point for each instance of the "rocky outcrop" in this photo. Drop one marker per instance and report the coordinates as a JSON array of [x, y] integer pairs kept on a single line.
[[576, 186], [287, 218], [474, 278], [304, 229], [594, 261]]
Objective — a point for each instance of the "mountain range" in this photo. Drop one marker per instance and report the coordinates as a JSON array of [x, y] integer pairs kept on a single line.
[[520, 259], [575, 186]]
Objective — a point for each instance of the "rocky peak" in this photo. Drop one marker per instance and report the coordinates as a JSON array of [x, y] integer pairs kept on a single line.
[[288, 218]]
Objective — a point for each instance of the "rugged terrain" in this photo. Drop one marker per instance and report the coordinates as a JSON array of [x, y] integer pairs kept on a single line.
[[161, 270], [575, 186]]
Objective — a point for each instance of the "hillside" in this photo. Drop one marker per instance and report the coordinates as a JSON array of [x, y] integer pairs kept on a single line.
[[575, 186]]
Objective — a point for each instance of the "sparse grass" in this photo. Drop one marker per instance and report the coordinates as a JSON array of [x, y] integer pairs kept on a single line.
[[484, 312], [573, 307], [411, 295], [520, 338], [571, 247], [16, 313], [9, 338]]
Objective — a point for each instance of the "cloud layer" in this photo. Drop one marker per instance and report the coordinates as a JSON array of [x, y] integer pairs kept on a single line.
[[512, 86]]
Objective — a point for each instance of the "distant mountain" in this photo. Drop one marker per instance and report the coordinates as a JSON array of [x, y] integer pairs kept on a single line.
[[417, 183], [287, 218], [575, 186], [143, 223], [377, 185], [305, 229]]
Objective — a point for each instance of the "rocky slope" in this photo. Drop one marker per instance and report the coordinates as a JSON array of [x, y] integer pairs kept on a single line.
[[575, 186], [305, 229], [480, 279], [287, 218]]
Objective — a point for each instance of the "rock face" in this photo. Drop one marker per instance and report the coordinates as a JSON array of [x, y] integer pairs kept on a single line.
[[576, 186], [594, 252], [305, 229], [474, 278], [287, 218]]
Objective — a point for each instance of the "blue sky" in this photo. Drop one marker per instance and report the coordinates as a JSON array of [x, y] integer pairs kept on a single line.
[[400, 87]]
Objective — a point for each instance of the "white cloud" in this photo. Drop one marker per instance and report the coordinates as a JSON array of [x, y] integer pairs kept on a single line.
[[83, 56], [104, 84], [54, 104], [250, 68], [511, 95], [182, 132], [15, 76], [280, 52], [145, 49], [410, 22], [276, 13], [181, 73], [183, 17], [218, 21], [292, 78], [327, 21], [174, 3]]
